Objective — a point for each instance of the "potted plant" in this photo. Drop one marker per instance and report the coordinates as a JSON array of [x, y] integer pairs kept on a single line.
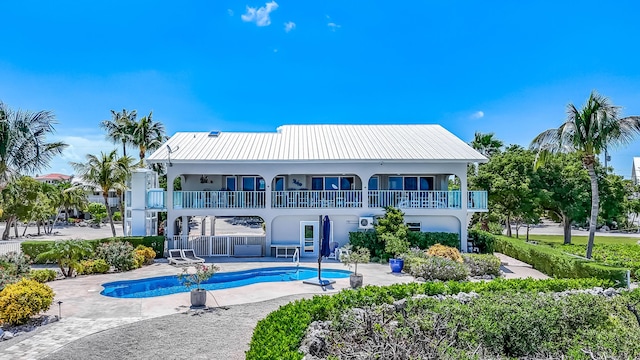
[[202, 273], [350, 257], [395, 246]]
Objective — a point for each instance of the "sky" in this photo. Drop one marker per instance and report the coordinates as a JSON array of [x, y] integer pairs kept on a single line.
[[506, 67]]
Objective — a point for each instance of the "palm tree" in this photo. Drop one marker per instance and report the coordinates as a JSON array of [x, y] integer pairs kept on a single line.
[[23, 145], [120, 127], [588, 132], [486, 144], [106, 172], [148, 136], [71, 197]]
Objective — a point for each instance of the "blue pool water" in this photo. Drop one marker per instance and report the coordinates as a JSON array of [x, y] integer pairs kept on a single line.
[[166, 285]]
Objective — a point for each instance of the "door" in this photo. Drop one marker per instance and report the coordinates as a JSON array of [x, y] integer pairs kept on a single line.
[[309, 238]]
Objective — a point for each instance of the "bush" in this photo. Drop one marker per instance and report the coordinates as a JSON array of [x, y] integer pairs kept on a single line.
[[98, 266], [98, 212], [43, 275], [20, 301], [13, 266], [619, 255], [117, 216], [439, 268], [278, 336], [484, 241], [557, 264], [34, 248], [117, 254], [425, 240], [445, 252], [368, 240], [67, 254], [147, 254], [482, 264]]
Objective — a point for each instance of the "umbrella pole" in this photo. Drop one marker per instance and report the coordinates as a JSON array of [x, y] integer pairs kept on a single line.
[[320, 237]]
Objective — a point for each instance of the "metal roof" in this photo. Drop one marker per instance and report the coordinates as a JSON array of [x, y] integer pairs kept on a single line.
[[320, 143]]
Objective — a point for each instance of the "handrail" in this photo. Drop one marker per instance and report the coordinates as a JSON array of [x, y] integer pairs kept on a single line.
[[296, 257]]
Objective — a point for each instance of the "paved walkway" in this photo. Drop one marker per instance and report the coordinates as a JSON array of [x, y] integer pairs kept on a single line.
[[85, 311]]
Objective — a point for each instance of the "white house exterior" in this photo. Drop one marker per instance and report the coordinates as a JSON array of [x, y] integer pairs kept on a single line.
[[290, 177]]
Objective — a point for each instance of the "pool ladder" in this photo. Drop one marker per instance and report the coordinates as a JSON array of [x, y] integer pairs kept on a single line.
[[296, 257]]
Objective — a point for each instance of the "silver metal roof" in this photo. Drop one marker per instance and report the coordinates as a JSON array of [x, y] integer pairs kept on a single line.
[[321, 143]]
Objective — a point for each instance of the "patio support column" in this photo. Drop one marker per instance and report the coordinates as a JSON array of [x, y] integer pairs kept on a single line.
[[364, 179], [185, 225], [462, 174], [168, 202]]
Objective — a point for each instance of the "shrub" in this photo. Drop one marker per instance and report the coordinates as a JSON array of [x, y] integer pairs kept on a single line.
[[138, 260], [43, 275], [147, 253], [34, 248], [117, 216], [445, 252], [439, 268], [13, 266], [278, 336], [20, 301], [484, 241], [555, 263], [67, 254], [98, 266], [482, 264], [117, 254], [425, 240], [98, 212], [392, 231], [413, 257], [368, 240]]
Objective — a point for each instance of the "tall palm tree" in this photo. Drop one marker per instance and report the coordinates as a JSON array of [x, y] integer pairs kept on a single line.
[[148, 136], [106, 172], [23, 144], [588, 132], [71, 197], [486, 144], [120, 127]]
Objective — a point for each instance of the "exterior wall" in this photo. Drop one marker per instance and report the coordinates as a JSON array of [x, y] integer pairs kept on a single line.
[[436, 223]]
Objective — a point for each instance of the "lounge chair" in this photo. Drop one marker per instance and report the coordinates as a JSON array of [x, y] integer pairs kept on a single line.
[[335, 251], [176, 257], [191, 257]]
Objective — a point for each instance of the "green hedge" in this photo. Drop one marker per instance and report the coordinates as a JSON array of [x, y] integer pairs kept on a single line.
[[34, 248], [422, 240], [484, 241], [556, 263], [278, 336]]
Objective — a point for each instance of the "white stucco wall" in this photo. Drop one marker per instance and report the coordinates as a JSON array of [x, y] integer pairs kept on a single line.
[[436, 223]]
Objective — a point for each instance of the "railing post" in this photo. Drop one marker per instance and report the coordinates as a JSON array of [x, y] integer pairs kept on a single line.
[[228, 246], [210, 245]]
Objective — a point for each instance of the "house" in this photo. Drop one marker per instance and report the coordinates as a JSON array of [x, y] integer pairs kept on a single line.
[[53, 178], [292, 176], [635, 171]]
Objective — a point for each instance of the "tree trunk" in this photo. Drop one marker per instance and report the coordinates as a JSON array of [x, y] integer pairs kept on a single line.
[[7, 228], [106, 203], [566, 225], [528, 226], [15, 226], [124, 148], [509, 226], [595, 207]]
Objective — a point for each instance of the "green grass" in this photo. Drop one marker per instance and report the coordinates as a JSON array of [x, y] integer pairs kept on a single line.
[[582, 240]]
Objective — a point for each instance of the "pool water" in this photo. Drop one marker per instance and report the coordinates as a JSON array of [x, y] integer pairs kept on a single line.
[[166, 285]]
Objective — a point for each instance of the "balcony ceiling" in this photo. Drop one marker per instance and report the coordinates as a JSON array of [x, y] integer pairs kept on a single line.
[[321, 143]]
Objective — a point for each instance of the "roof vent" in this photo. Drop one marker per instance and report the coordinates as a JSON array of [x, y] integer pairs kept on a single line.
[[214, 133]]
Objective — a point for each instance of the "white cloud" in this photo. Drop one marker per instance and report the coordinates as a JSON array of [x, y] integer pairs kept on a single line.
[[332, 25], [230, 12], [79, 147], [288, 26], [477, 115], [260, 15]]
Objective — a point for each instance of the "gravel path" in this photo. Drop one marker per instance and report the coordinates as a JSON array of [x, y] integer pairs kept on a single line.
[[219, 334]]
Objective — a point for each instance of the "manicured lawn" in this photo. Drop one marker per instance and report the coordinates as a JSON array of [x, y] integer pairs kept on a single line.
[[582, 240]]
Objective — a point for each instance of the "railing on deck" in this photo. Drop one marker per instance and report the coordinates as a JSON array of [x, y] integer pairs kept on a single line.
[[218, 199], [156, 199], [435, 199], [478, 200], [113, 201], [215, 245], [316, 199], [12, 246]]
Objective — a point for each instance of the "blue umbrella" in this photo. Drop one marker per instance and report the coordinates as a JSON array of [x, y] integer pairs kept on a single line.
[[326, 232]]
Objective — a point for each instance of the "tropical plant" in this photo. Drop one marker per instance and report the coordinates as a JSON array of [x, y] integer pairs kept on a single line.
[[67, 254], [448, 252], [118, 254], [148, 136], [23, 144], [202, 273], [98, 212], [22, 300], [120, 127], [106, 172], [351, 256], [71, 197], [486, 144], [19, 197], [588, 132], [393, 232]]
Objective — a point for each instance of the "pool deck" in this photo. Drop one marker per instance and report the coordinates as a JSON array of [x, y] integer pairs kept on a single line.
[[84, 311]]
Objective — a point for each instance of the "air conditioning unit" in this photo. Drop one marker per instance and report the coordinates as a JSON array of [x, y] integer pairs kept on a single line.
[[365, 222]]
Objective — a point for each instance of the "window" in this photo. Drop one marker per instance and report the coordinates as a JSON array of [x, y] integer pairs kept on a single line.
[[411, 183], [231, 183], [252, 183], [279, 184], [346, 183], [426, 183], [332, 183], [373, 183], [395, 183], [317, 183], [414, 226]]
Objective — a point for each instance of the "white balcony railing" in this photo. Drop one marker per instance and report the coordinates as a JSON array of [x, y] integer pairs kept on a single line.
[[215, 245], [316, 199], [218, 199], [477, 200], [156, 199], [113, 201]]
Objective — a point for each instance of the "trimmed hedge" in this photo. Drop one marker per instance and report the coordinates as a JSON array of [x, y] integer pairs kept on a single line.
[[484, 241], [557, 264], [278, 336], [422, 240], [35, 248]]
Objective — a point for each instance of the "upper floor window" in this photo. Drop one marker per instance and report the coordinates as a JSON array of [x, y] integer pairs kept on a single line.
[[332, 183], [253, 183], [411, 183], [279, 184], [373, 183]]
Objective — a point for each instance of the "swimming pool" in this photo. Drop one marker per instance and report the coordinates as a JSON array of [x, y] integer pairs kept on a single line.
[[166, 285]]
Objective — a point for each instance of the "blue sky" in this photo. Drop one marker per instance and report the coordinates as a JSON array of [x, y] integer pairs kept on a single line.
[[507, 67]]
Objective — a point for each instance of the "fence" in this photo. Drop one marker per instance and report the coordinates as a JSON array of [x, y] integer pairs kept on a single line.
[[6, 247], [215, 245]]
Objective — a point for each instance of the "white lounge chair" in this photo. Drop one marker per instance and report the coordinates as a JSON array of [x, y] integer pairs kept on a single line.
[[191, 257], [176, 257]]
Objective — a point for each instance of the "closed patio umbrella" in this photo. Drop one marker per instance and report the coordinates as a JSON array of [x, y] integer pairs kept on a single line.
[[324, 251]]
